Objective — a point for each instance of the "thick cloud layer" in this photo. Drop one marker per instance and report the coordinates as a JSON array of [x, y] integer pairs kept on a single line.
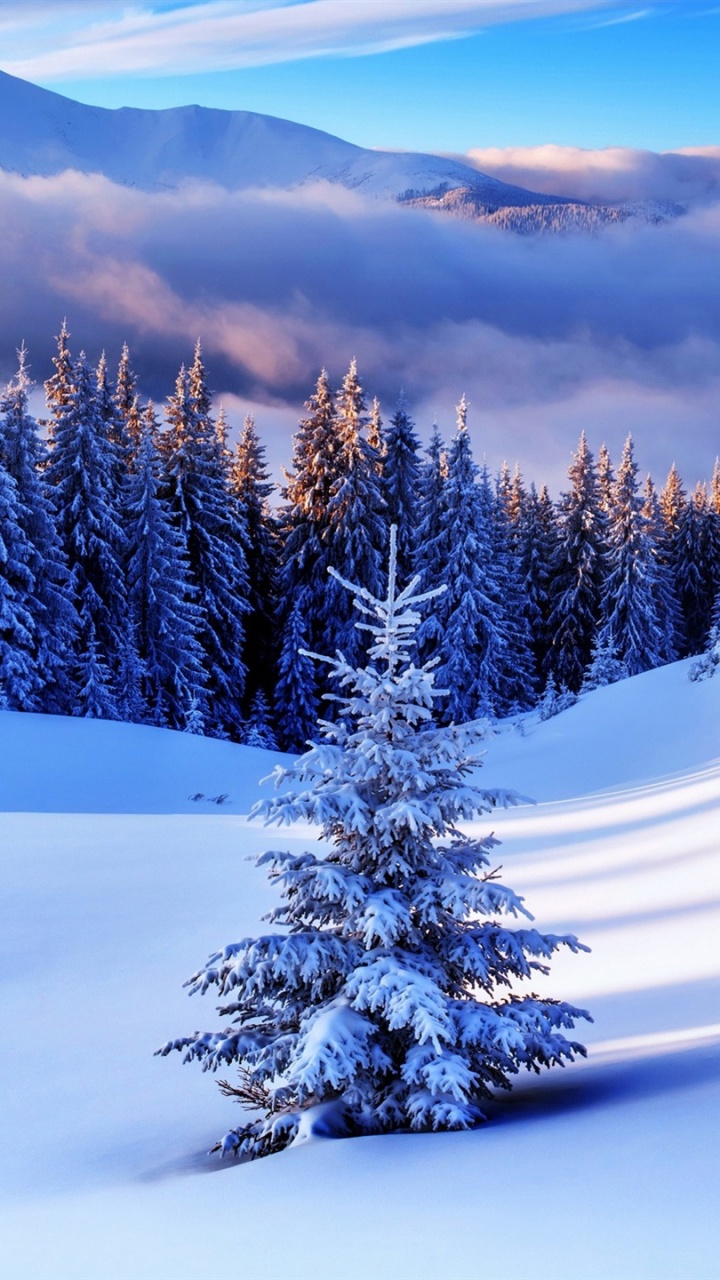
[[688, 177], [546, 335]]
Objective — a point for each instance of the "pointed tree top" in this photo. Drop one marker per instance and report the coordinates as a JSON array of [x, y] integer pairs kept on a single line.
[[462, 410], [23, 369]]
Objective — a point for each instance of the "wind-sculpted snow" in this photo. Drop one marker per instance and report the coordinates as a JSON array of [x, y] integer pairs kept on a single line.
[[101, 910]]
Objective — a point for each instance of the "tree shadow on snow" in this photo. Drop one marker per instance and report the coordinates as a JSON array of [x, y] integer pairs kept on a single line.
[[543, 1097], [605, 1084]]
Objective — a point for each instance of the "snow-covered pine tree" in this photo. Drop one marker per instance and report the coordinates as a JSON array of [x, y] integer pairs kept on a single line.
[[331, 514], [672, 504], [125, 395], [709, 661], [304, 520], [401, 486], [24, 456], [469, 647], [165, 620], [697, 566], [356, 518], [376, 433], [251, 488], [536, 536], [20, 680], [606, 480], [215, 540], [433, 533], [578, 572], [605, 667], [554, 699], [59, 386], [259, 731], [80, 475], [715, 488], [632, 629], [296, 699], [389, 1002], [96, 698], [116, 430], [668, 607], [515, 681]]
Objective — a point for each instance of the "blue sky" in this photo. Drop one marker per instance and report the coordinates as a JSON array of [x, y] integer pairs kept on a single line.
[[417, 74]]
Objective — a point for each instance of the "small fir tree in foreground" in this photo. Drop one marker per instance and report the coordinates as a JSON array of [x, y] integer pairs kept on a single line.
[[707, 664], [709, 661], [605, 666], [259, 731], [555, 700], [390, 1000]]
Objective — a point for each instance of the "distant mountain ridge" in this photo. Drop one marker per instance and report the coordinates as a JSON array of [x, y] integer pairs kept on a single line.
[[44, 134], [551, 217]]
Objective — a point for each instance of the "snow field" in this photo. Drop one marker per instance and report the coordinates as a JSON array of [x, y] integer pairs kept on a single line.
[[607, 1169]]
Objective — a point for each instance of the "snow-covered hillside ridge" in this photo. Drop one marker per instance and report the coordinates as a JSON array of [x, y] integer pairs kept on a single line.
[[108, 905], [649, 727], [43, 133]]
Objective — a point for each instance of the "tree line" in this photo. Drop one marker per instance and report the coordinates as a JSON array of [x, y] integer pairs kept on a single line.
[[145, 576]]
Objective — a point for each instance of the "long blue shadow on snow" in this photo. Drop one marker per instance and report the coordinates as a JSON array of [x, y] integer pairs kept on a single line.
[[563, 1092], [606, 1085]]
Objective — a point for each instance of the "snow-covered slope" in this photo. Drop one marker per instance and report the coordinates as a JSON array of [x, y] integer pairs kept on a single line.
[[606, 1170], [105, 767], [44, 133], [629, 734]]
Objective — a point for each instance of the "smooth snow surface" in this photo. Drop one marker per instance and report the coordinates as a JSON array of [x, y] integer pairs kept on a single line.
[[606, 1170]]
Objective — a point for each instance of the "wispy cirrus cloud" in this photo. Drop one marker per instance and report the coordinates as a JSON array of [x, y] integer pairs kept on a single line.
[[44, 40]]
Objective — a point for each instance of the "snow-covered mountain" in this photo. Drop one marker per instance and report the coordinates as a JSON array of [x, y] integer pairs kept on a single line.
[[44, 133]]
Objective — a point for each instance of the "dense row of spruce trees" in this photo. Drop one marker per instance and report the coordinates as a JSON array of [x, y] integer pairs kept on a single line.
[[144, 575]]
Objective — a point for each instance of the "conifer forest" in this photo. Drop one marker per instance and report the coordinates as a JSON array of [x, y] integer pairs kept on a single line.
[[152, 573]]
